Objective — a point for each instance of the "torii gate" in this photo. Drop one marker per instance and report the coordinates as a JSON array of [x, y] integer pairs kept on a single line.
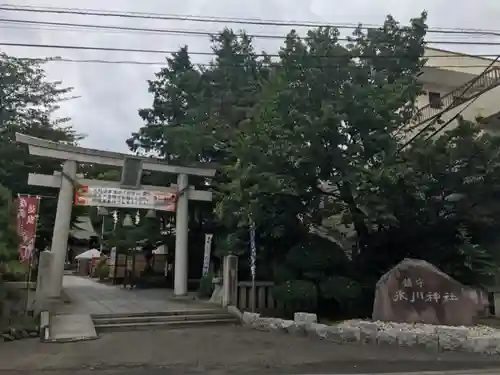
[[65, 180]]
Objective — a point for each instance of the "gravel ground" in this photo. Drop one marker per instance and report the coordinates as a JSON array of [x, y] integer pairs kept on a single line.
[[474, 331], [220, 350]]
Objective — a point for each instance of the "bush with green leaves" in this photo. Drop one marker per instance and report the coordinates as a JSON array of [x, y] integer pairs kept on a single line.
[[9, 238], [296, 295], [14, 270], [206, 287], [102, 269]]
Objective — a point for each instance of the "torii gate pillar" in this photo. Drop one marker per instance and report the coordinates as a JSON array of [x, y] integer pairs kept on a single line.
[[181, 239], [61, 230]]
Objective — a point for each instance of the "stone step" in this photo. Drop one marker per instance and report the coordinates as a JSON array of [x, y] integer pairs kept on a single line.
[[163, 324], [120, 320], [160, 313]]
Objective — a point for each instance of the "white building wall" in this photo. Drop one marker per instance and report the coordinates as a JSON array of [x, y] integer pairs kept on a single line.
[[423, 100], [458, 63]]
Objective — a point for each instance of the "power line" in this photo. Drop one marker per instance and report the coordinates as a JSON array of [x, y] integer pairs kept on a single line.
[[246, 21], [129, 29], [89, 48], [164, 63], [166, 52], [101, 61], [166, 17], [195, 32], [33, 8]]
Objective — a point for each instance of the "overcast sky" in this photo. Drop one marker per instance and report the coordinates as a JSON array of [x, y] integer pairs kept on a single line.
[[111, 94]]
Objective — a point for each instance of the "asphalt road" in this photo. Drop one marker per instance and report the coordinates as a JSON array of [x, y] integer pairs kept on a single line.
[[222, 350], [164, 371], [367, 368]]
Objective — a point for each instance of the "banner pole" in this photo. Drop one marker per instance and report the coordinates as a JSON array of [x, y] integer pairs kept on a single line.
[[30, 259], [253, 259], [28, 287], [27, 277]]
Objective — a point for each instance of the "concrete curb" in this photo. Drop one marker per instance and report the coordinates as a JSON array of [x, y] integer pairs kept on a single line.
[[440, 339], [74, 339]]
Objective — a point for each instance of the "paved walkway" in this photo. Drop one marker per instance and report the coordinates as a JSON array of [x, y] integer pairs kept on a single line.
[[91, 297]]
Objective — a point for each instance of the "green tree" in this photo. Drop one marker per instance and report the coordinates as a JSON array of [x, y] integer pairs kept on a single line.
[[440, 205], [196, 113], [314, 137], [328, 115], [28, 104], [9, 239], [175, 91], [398, 204], [278, 129], [126, 239]]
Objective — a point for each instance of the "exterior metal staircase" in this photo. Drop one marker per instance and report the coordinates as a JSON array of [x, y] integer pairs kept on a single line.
[[487, 81]]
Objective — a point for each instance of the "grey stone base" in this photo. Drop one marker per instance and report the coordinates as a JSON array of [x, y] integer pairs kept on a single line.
[[434, 338]]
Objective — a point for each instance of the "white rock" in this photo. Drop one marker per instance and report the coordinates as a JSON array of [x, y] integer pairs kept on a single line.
[[274, 323], [368, 332], [316, 329], [301, 317], [480, 330], [297, 329], [407, 338], [333, 334], [461, 332], [452, 338], [350, 334], [387, 337], [483, 345], [429, 341], [248, 318], [285, 324], [478, 339]]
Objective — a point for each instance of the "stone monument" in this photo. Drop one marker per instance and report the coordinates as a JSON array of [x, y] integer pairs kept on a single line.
[[415, 291]]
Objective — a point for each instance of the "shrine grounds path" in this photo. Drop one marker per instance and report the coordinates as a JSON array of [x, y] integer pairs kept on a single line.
[[221, 350]]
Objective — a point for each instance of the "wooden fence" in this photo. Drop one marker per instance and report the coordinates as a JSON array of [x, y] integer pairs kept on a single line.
[[263, 296]]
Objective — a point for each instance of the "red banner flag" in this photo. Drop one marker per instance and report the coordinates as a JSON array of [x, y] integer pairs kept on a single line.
[[27, 211]]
